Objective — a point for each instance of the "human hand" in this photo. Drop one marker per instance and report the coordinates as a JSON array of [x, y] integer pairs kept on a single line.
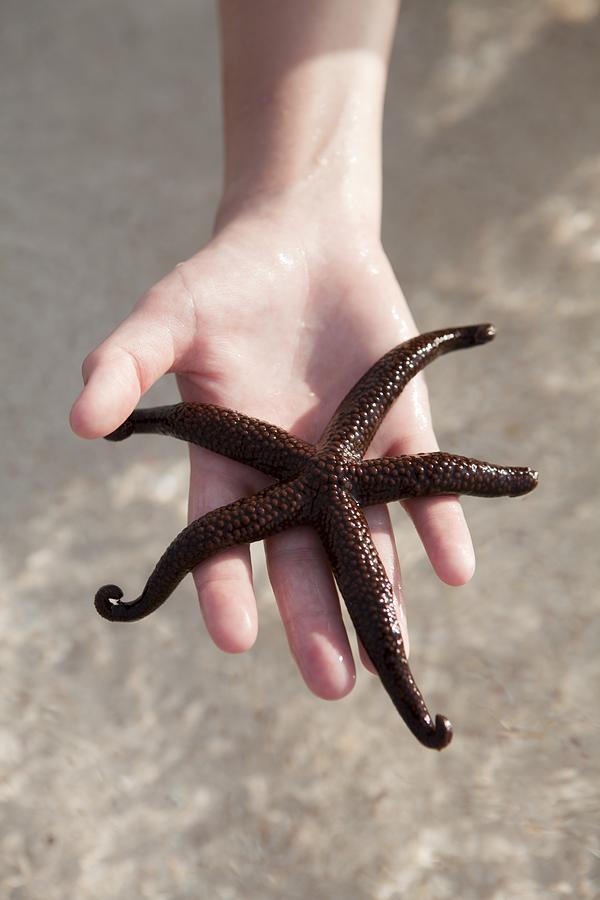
[[277, 317]]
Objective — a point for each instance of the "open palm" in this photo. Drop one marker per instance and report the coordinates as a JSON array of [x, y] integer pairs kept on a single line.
[[277, 317]]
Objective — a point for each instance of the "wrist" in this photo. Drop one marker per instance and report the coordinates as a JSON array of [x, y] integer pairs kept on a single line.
[[328, 205], [335, 190]]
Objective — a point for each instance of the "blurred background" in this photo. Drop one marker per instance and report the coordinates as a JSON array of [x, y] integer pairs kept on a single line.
[[140, 762]]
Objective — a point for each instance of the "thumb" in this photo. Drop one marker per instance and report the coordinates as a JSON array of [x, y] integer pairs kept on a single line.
[[151, 341]]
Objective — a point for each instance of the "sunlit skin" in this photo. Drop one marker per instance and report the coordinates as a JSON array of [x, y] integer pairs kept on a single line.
[[283, 310]]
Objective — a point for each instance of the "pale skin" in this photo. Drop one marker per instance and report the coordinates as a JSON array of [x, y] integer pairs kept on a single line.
[[285, 308]]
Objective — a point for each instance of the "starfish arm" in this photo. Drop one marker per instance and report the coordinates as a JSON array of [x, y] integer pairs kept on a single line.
[[369, 599], [360, 413], [251, 519], [250, 441], [426, 474]]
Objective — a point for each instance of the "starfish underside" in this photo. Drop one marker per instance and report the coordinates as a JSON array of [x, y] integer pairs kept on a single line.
[[325, 486]]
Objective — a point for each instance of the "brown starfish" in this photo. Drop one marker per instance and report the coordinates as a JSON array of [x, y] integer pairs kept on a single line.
[[325, 486]]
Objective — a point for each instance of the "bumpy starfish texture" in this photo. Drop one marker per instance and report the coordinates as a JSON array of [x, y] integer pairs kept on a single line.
[[325, 486]]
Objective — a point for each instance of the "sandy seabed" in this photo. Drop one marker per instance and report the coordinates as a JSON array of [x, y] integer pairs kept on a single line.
[[141, 762]]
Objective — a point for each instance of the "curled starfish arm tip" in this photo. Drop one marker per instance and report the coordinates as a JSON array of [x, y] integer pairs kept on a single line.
[[107, 601], [435, 736], [110, 605], [443, 733]]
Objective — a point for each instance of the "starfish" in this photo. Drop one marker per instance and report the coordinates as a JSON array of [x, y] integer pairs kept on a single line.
[[325, 486]]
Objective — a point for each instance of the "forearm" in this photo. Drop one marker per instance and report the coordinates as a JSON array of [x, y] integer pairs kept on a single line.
[[303, 92]]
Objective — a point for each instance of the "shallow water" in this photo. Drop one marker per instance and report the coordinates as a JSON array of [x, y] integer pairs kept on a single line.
[[141, 762]]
